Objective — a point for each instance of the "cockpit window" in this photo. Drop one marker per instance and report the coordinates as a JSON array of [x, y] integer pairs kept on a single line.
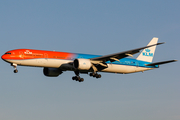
[[8, 53]]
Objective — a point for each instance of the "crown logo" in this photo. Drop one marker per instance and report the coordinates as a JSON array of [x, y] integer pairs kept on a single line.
[[147, 50]]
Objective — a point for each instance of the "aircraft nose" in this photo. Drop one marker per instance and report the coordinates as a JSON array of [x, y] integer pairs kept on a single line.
[[3, 57]]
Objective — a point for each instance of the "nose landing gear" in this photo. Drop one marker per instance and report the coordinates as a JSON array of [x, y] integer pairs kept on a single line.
[[15, 67]]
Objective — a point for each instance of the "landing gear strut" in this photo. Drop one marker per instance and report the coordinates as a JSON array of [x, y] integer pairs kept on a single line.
[[95, 75], [15, 67], [77, 77]]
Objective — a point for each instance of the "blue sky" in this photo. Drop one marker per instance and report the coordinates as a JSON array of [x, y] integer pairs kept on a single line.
[[93, 27]]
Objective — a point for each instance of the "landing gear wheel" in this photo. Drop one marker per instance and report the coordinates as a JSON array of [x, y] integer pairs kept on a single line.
[[91, 74], [77, 78], [74, 78], [81, 80], [98, 76], [15, 71], [95, 75]]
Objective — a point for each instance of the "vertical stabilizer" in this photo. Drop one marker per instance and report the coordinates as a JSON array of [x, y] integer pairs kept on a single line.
[[148, 53]]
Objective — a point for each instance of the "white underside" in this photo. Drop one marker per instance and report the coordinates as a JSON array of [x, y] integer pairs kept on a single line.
[[64, 65]]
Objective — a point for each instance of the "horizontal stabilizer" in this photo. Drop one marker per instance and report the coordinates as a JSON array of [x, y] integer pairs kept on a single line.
[[159, 63]]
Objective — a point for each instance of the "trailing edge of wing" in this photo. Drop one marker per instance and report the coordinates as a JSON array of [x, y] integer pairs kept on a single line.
[[121, 55], [159, 63]]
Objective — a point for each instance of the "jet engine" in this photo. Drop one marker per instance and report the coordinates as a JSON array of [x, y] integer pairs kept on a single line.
[[52, 72], [82, 64]]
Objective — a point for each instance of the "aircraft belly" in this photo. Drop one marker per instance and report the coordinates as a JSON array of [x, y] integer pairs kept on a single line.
[[119, 68], [141, 69]]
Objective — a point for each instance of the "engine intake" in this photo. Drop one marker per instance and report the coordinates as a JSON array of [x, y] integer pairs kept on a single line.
[[52, 72], [82, 64]]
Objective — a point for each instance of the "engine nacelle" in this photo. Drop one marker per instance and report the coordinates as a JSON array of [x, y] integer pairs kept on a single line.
[[52, 72], [82, 64]]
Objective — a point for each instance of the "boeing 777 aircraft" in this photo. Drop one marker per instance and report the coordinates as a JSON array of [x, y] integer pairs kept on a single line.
[[54, 63]]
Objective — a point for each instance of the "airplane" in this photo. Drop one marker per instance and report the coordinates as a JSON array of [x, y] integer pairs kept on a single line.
[[55, 63]]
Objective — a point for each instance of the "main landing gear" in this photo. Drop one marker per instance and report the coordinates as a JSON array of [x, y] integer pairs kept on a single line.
[[77, 77], [15, 67], [95, 75]]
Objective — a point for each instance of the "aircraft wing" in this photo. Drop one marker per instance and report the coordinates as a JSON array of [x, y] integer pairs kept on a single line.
[[120, 55], [159, 63]]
